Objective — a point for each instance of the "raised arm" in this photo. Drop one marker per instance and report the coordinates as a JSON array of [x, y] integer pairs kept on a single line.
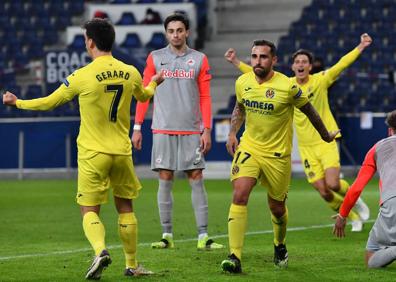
[[348, 59], [231, 56], [317, 122]]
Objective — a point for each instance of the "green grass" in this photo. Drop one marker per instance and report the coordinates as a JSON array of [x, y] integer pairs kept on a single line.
[[41, 237]]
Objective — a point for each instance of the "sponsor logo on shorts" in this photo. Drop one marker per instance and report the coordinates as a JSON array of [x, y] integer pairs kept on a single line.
[[158, 160], [235, 169], [311, 174]]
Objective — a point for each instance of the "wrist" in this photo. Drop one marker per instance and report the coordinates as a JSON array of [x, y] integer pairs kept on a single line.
[[137, 127]]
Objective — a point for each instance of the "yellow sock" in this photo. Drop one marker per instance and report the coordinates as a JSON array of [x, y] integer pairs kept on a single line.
[[94, 231], [237, 222], [344, 186], [336, 202], [279, 227], [353, 216], [127, 229]]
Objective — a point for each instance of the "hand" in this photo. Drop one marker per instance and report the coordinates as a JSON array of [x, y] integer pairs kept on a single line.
[[137, 139], [339, 226], [9, 99], [206, 141], [232, 144], [230, 56], [331, 135], [158, 78], [365, 41]]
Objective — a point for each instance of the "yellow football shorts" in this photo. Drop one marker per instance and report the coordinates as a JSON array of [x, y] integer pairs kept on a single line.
[[100, 171], [273, 173], [316, 159]]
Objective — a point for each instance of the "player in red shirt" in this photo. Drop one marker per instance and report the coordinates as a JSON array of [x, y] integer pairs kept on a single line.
[[381, 243]]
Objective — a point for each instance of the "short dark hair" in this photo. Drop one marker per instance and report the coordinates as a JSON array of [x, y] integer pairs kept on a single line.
[[303, 52], [177, 17], [391, 119], [263, 42], [101, 31]]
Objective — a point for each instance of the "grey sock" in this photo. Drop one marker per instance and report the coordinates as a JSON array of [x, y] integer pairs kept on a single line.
[[382, 257], [165, 204], [199, 200]]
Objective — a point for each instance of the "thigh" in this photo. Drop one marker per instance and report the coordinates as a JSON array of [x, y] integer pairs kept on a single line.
[[164, 152], [244, 164], [312, 164], [123, 178], [189, 155], [329, 155], [276, 173], [93, 179]]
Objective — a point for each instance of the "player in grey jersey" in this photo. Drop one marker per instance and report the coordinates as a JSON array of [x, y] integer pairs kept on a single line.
[[182, 107], [381, 244]]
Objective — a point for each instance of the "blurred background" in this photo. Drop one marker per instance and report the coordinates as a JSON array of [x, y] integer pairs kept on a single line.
[[42, 43]]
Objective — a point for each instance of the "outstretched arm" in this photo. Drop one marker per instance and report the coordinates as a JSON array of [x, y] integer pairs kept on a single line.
[[348, 59], [231, 56], [366, 172], [317, 122]]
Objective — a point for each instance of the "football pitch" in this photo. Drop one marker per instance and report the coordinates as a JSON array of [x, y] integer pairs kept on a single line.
[[41, 236]]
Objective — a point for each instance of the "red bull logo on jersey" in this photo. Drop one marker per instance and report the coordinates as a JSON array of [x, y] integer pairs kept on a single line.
[[179, 73]]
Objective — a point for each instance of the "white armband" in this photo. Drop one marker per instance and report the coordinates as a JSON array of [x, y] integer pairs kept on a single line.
[[137, 127]]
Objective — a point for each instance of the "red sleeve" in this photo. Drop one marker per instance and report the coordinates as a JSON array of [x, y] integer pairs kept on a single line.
[[204, 93], [366, 172], [141, 107]]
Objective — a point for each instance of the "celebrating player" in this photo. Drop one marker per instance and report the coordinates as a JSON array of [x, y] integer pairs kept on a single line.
[[265, 101], [104, 88], [380, 248], [180, 104], [320, 159]]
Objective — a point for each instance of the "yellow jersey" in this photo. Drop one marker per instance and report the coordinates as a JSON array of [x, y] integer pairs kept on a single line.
[[316, 89], [269, 111], [104, 88]]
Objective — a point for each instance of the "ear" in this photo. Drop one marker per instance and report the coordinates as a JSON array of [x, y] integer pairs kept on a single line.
[[91, 43], [187, 33], [274, 60], [391, 131]]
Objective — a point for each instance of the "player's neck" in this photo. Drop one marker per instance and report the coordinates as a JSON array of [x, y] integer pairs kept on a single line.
[[303, 80], [98, 53], [179, 50], [265, 79]]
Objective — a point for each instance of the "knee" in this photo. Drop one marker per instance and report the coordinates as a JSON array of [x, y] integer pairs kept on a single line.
[[333, 185], [240, 197], [166, 175], [278, 211], [326, 194], [195, 174]]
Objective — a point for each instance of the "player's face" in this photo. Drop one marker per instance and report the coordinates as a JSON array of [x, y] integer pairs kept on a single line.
[[88, 43], [262, 60], [301, 66], [176, 34]]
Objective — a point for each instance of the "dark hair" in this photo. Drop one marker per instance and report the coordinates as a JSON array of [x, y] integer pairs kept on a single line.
[[101, 31], [391, 119], [263, 42], [177, 17], [303, 52]]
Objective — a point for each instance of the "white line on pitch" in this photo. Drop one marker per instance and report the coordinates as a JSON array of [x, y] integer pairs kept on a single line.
[[291, 229]]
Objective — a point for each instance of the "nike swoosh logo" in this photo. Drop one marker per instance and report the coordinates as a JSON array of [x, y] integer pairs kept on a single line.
[[230, 219], [248, 88], [162, 63]]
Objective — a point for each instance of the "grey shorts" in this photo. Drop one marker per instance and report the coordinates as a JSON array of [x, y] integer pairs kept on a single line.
[[176, 152], [383, 233]]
